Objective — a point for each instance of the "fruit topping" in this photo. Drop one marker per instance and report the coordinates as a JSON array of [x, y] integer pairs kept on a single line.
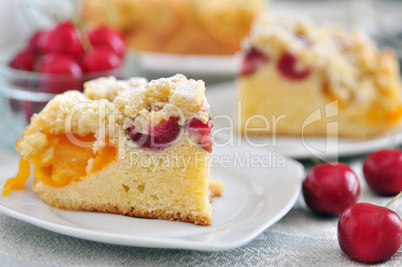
[[20, 179], [158, 137], [252, 60], [203, 130], [287, 67]]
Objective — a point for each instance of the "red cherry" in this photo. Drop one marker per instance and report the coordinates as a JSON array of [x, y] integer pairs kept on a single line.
[[383, 171], [24, 60], [166, 131], [203, 130], [109, 38], [63, 39], [15, 105], [330, 188], [286, 66], [158, 137], [369, 233], [252, 60], [60, 64], [41, 41], [69, 73], [34, 42], [100, 59]]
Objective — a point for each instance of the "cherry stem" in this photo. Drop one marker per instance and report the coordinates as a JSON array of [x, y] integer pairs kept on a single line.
[[392, 141], [394, 199], [86, 44], [317, 161]]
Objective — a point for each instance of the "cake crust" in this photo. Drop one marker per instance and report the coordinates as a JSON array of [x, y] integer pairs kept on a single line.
[[126, 210]]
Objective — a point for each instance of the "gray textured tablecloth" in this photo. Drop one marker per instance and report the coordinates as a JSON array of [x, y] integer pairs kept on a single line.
[[299, 239]]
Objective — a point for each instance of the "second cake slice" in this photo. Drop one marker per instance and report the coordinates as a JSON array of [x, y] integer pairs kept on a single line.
[[298, 76]]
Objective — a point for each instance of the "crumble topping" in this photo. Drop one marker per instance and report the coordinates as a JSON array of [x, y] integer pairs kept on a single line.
[[109, 87], [108, 104], [164, 98]]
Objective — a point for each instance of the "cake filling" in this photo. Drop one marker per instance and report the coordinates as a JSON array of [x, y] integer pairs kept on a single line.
[[252, 60], [68, 162], [287, 66], [162, 135], [158, 137], [20, 179], [203, 133]]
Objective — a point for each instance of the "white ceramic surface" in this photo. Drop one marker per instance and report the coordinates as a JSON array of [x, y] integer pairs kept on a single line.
[[223, 99], [255, 198]]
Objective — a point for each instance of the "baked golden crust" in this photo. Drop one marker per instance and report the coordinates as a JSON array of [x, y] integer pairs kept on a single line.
[[135, 212], [172, 26], [344, 66], [131, 211]]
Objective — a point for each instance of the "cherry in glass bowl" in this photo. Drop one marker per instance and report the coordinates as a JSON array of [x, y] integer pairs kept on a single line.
[[23, 93]]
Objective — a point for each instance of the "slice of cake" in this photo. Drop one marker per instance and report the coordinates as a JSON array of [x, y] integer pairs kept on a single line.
[[297, 77], [171, 26], [125, 147]]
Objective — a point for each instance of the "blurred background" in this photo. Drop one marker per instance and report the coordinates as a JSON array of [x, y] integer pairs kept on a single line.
[[19, 18], [195, 37], [382, 19]]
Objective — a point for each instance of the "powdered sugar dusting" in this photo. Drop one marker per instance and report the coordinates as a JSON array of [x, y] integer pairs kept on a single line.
[[188, 89], [109, 87]]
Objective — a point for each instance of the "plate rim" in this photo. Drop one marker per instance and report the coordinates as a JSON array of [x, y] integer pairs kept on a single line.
[[160, 242], [190, 63]]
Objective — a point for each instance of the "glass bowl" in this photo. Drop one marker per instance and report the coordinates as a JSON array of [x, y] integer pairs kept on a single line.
[[23, 93]]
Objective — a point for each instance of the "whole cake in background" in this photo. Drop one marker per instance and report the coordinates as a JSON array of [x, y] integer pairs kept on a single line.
[[298, 76], [125, 147], [177, 26]]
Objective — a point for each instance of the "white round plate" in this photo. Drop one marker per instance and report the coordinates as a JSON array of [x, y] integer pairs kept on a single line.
[[256, 196], [223, 99], [190, 64]]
